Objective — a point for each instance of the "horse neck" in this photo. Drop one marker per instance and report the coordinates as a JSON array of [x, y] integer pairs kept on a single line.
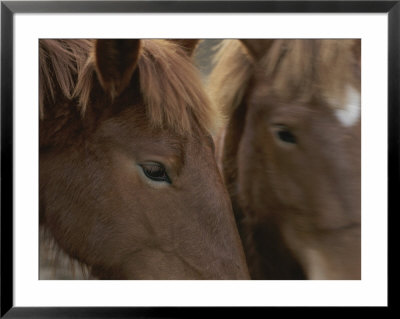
[[267, 254]]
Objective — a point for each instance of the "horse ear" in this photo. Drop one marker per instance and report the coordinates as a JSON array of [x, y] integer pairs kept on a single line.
[[257, 47], [189, 45], [115, 62]]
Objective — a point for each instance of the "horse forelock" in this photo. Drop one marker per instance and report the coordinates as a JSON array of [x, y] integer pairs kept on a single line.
[[296, 71], [170, 86], [172, 89]]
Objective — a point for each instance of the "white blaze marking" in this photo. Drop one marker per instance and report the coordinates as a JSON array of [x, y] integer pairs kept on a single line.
[[350, 113]]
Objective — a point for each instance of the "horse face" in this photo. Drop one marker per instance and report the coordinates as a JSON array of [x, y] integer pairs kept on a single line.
[[134, 200], [300, 166], [166, 213]]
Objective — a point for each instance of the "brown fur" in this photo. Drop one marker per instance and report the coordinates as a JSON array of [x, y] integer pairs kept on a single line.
[[297, 206], [115, 62], [189, 45], [164, 76], [95, 198], [298, 70], [257, 48]]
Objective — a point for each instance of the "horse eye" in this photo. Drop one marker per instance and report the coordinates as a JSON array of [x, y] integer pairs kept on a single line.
[[156, 172], [285, 135]]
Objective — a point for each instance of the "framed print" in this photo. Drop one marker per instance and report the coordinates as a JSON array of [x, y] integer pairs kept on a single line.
[[153, 143]]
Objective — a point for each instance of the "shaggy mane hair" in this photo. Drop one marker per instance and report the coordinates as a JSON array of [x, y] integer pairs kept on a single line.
[[170, 85], [297, 70]]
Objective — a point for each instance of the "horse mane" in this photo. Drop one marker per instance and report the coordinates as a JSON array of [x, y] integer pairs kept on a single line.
[[60, 61], [296, 70], [170, 85]]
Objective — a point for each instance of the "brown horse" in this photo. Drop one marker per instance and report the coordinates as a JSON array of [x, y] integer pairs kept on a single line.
[[129, 185], [291, 153]]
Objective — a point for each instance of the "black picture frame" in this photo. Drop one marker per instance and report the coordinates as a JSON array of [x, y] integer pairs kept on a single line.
[[9, 8]]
